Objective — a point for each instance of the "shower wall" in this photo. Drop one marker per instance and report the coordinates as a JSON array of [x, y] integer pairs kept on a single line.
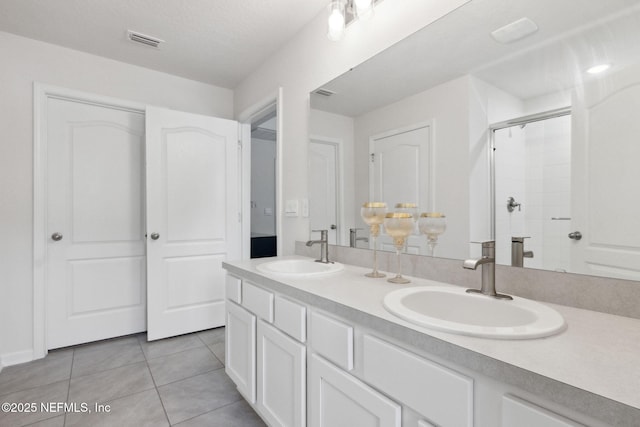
[[548, 189], [533, 165]]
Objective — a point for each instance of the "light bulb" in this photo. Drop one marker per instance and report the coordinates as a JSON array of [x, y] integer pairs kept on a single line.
[[363, 8], [336, 21]]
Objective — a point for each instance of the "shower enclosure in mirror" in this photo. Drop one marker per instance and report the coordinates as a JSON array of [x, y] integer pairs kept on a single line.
[[457, 79], [532, 190]]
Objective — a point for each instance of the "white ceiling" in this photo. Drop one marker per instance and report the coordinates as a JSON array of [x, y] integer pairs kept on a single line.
[[213, 41], [572, 35]]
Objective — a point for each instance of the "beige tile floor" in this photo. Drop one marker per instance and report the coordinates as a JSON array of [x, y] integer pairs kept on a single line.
[[177, 381]]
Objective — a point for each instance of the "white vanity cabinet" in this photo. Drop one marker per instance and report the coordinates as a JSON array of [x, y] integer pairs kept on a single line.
[[240, 349], [337, 399], [339, 373], [281, 378], [267, 365]]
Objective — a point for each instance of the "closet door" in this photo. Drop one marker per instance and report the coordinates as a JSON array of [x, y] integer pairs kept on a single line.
[[95, 269], [193, 222]]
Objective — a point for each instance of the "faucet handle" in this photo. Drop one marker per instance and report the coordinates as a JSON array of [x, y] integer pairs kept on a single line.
[[519, 239], [323, 233], [485, 243]]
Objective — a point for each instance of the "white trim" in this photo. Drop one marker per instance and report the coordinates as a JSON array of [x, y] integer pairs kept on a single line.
[[41, 94], [430, 124], [342, 236], [16, 358], [245, 117]]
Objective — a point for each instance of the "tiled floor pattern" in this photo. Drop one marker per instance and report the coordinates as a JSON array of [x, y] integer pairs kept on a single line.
[[176, 381]]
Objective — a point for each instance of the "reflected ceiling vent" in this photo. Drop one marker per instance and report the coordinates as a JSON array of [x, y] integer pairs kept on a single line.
[[144, 39], [516, 30], [324, 92]]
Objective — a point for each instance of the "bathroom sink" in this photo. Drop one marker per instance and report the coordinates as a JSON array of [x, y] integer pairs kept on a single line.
[[453, 310], [299, 267]]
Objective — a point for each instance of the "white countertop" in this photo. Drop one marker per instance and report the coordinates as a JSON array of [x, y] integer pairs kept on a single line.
[[598, 353]]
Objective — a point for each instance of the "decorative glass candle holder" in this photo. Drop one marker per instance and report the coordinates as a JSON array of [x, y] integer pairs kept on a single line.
[[399, 225], [432, 224], [373, 215], [412, 209]]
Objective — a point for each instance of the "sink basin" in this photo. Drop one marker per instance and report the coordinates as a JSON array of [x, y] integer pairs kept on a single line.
[[299, 267], [453, 310]]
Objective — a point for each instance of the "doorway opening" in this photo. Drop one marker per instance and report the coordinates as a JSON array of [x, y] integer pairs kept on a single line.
[[264, 154], [531, 173]]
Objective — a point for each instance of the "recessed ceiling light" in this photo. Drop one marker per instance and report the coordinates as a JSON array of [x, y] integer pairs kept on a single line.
[[516, 30], [596, 69]]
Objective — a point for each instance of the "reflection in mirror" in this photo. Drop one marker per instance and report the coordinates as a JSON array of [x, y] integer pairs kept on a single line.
[[451, 83]]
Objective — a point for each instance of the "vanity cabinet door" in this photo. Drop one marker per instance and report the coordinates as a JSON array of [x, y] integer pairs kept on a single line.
[[282, 396], [240, 349], [336, 399]]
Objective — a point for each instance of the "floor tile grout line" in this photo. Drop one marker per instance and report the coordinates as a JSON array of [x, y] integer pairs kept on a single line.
[[32, 388], [107, 370], [73, 359], [208, 412], [188, 378], [172, 354], [153, 380]]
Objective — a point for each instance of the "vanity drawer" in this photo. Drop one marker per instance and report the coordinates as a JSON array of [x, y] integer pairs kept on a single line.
[[332, 339], [441, 395], [258, 301], [233, 288], [517, 412], [291, 318]]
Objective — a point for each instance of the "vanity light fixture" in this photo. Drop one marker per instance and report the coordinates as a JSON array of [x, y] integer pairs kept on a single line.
[[597, 69], [342, 12]]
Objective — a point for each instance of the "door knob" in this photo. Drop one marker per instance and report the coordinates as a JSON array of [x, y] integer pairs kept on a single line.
[[576, 235], [56, 237], [155, 236], [333, 226]]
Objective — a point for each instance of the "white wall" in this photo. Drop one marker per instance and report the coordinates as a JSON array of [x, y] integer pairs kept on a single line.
[[23, 62], [339, 129], [448, 106], [263, 187], [310, 60]]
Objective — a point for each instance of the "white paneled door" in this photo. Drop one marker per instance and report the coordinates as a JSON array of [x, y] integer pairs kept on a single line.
[[95, 223], [401, 172], [323, 188], [605, 183], [193, 222]]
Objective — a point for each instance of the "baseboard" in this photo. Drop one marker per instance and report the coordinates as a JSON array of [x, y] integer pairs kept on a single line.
[[16, 358]]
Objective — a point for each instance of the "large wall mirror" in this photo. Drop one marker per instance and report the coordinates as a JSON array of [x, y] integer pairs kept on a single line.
[[499, 123]]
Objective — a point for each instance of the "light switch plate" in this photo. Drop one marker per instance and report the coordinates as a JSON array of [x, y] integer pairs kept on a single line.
[[291, 208]]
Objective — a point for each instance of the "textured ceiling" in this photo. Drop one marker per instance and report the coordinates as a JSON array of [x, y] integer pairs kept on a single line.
[[213, 41]]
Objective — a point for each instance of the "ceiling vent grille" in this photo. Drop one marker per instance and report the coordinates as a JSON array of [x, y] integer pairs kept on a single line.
[[144, 39], [324, 92]]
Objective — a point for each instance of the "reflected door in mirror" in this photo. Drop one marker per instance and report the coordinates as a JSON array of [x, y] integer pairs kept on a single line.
[[400, 172], [323, 188]]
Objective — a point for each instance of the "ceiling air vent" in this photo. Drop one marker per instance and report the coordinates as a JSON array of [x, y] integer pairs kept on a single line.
[[324, 92], [144, 39]]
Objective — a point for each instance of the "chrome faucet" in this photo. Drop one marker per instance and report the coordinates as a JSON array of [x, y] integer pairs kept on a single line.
[[488, 263], [324, 246], [353, 237], [518, 254]]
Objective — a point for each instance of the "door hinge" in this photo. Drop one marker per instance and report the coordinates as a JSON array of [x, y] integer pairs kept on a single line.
[[373, 157], [240, 143]]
